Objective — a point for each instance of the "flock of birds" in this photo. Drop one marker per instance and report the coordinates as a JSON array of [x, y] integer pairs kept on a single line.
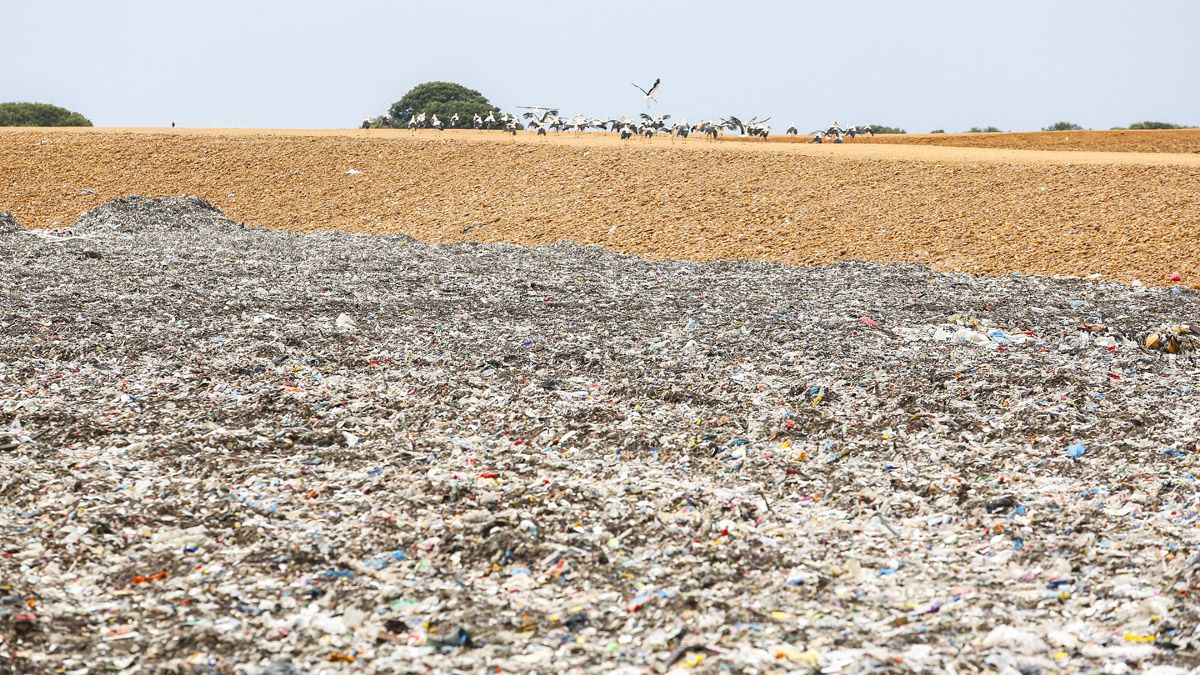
[[541, 120]]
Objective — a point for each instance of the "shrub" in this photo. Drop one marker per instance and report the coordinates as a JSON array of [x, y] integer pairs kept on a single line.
[[442, 99], [882, 129], [985, 130], [39, 115], [1063, 126], [938, 131]]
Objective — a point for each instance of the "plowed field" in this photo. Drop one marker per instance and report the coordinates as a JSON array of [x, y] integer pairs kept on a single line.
[[1121, 215]]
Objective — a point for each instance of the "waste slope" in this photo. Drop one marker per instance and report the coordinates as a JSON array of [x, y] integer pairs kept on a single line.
[[360, 453], [694, 201], [8, 224], [135, 213]]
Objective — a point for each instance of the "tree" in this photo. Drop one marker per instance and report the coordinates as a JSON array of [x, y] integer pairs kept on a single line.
[[442, 99], [881, 129], [985, 130], [1063, 126], [1157, 125], [39, 115], [938, 131]]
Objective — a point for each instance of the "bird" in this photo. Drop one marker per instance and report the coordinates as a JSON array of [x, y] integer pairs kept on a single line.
[[792, 131], [709, 128], [490, 121], [655, 123], [454, 120], [477, 121], [651, 91], [548, 120], [436, 123]]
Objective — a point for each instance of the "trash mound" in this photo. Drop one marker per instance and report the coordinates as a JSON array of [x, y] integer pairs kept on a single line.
[[8, 224], [136, 214], [271, 453]]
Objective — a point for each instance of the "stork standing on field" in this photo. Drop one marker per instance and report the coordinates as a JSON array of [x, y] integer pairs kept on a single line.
[[651, 91], [709, 128], [454, 121]]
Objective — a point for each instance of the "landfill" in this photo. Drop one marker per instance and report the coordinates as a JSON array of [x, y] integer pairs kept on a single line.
[[231, 450]]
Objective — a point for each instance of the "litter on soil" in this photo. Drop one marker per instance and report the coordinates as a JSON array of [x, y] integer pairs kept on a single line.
[[234, 450]]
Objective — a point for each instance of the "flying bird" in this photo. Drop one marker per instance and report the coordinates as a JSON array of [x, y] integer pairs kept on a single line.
[[651, 91]]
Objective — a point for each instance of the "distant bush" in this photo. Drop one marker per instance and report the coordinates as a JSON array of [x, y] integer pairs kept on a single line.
[[1063, 126], [985, 130], [881, 129], [1158, 125], [938, 131], [39, 115]]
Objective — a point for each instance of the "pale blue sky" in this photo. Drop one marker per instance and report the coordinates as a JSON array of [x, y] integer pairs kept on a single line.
[[920, 64]]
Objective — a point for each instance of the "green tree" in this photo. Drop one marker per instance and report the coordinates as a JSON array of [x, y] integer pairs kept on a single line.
[[938, 131], [1157, 125], [442, 99], [39, 115], [1063, 126], [881, 129], [984, 130]]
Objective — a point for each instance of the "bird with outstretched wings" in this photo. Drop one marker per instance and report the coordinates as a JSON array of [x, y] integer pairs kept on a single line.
[[651, 91]]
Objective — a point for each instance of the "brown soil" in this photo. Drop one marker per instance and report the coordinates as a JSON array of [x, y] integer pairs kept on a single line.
[[1173, 140], [1120, 215]]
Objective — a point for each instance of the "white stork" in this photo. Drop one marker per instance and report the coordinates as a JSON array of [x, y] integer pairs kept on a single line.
[[651, 91]]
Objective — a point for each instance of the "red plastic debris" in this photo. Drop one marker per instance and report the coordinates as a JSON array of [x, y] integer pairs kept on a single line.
[[157, 576]]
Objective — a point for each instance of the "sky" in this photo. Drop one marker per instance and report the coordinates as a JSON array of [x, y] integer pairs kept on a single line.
[[917, 64]]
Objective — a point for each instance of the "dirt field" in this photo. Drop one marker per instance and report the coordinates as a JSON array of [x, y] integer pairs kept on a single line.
[[1121, 215], [1170, 141]]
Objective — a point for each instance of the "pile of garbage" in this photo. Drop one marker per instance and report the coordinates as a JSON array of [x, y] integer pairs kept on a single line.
[[138, 214], [1183, 337], [8, 224], [255, 451]]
